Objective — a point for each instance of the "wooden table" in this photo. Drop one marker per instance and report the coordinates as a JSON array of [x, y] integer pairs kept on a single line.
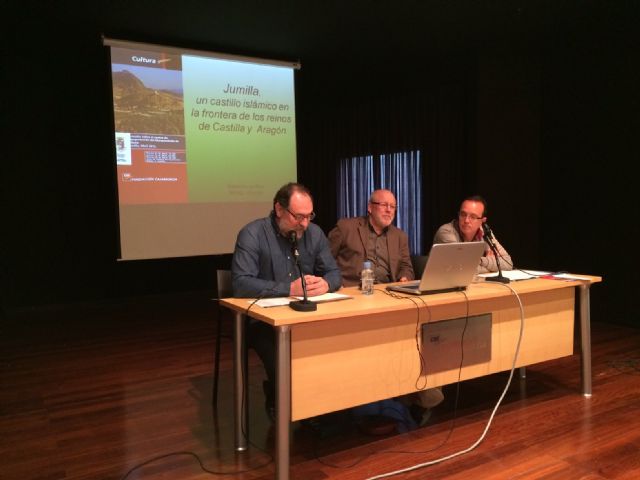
[[363, 349]]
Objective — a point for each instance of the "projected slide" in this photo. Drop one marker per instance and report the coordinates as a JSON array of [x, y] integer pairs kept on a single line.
[[245, 117], [201, 146]]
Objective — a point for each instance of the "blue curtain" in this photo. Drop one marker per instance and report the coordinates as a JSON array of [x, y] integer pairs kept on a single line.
[[399, 172]]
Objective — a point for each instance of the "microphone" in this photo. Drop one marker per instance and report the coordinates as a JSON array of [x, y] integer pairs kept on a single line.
[[293, 240], [489, 238], [487, 231], [304, 305]]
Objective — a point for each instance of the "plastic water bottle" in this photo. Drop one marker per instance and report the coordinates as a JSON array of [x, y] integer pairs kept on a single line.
[[366, 279]]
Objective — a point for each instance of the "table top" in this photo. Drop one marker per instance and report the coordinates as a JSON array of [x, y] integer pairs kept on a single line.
[[380, 301]]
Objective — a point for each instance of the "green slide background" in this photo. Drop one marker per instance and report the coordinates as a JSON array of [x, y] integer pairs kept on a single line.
[[235, 166]]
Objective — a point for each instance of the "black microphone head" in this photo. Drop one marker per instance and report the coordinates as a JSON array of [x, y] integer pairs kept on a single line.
[[487, 230]]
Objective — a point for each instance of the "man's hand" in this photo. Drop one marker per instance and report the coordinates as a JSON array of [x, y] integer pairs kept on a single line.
[[404, 279], [315, 286]]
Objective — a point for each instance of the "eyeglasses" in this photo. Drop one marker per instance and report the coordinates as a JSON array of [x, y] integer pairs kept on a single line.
[[470, 216], [299, 217], [385, 205]]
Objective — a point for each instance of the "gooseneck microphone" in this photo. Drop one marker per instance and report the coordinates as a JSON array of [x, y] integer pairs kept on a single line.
[[304, 305], [487, 231], [489, 238], [293, 240]]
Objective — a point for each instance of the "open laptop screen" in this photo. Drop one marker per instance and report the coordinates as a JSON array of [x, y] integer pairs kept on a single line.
[[450, 267]]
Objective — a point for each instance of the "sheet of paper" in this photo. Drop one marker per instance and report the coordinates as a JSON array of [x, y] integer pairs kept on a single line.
[[568, 276], [273, 302], [525, 274], [515, 275], [327, 297], [280, 301]]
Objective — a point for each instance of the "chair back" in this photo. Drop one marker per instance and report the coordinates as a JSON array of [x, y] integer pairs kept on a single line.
[[418, 262], [225, 290], [225, 287]]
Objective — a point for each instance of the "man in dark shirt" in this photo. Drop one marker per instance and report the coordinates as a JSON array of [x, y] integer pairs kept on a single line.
[[263, 265]]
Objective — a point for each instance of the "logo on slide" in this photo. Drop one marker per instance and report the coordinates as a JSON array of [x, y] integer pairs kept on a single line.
[[123, 148]]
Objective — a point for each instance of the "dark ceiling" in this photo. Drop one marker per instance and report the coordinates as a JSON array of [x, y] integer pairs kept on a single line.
[[347, 31]]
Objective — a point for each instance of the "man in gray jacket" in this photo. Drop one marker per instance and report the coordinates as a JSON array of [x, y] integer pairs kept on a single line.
[[468, 228]]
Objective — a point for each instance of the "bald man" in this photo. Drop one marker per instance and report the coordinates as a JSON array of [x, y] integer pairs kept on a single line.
[[373, 238]]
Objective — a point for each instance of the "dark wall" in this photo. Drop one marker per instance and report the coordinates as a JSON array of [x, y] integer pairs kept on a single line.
[[533, 104], [556, 142], [589, 142], [507, 138]]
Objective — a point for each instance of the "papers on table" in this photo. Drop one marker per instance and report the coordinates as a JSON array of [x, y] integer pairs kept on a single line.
[[525, 274], [280, 301], [327, 297], [272, 302], [514, 275], [568, 276]]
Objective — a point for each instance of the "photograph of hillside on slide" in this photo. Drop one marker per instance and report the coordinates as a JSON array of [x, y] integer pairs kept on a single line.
[[149, 124]]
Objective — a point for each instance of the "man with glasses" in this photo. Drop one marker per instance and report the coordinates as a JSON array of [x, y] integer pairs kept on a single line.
[[373, 238], [263, 265], [468, 228]]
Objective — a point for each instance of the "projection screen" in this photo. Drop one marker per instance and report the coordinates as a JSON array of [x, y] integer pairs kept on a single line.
[[202, 143]]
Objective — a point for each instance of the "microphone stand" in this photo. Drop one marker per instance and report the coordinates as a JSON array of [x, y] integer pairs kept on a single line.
[[304, 305], [498, 278]]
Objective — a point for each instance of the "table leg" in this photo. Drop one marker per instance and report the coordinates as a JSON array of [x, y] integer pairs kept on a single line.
[[585, 339], [239, 383], [283, 401]]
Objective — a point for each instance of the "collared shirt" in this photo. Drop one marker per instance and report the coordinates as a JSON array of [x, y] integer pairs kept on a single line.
[[263, 264], [378, 253], [450, 232]]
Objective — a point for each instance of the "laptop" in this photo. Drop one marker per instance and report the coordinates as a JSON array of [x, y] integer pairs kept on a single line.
[[450, 267]]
